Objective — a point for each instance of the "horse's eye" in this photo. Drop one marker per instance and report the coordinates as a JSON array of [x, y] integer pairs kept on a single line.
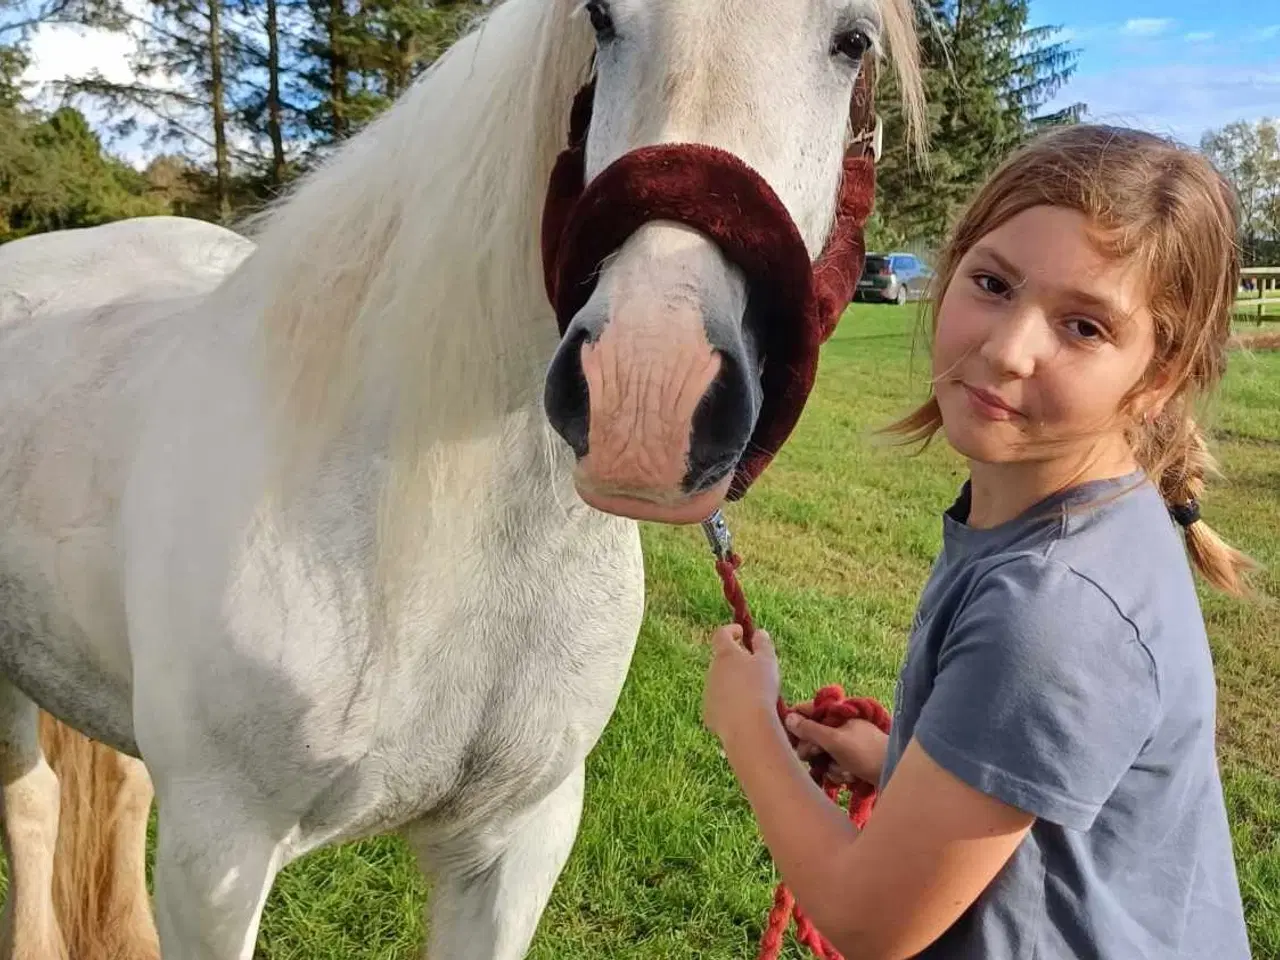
[[601, 21], [852, 44]]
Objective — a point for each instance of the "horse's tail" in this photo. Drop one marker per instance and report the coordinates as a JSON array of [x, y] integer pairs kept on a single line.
[[99, 872]]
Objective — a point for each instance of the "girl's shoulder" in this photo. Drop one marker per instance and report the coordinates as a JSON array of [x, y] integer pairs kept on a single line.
[[1104, 581], [1130, 548], [1110, 540]]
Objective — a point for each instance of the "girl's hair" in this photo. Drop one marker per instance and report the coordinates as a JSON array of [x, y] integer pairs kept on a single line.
[[1165, 206]]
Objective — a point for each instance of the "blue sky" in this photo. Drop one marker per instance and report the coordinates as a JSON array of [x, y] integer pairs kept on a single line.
[[1176, 67]]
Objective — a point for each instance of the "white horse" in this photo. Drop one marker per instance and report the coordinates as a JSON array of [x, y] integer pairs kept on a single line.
[[289, 519]]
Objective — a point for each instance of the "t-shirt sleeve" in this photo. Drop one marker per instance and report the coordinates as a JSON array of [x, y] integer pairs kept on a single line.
[[1044, 695]]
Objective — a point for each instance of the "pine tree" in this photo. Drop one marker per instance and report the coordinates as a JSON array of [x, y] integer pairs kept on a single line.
[[187, 63], [403, 37], [250, 89], [986, 77], [328, 49], [364, 54], [13, 63]]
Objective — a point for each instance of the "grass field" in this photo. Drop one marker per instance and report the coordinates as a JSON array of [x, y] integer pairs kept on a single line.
[[838, 537], [1247, 313]]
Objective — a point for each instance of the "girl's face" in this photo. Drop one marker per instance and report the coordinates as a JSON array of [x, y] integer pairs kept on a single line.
[[1038, 341]]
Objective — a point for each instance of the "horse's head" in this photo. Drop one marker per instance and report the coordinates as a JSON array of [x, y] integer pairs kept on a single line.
[[713, 150]]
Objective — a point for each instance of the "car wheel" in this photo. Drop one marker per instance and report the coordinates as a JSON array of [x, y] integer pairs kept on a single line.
[[901, 298]]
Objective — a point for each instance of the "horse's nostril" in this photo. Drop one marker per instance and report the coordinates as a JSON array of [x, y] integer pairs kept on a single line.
[[565, 396], [722, 425]]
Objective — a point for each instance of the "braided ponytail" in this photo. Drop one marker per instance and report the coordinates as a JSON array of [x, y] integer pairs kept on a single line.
[[1173, 451]]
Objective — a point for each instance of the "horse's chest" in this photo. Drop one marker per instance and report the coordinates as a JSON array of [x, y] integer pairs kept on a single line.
[[506, 688]]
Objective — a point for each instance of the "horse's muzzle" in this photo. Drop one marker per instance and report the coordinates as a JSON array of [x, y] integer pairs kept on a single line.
[[798, 302]]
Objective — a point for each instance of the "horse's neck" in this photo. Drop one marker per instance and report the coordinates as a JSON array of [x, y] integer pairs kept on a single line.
[[469, 464], [403, 282]]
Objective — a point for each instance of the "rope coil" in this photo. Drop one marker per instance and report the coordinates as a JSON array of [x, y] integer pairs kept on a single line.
[[830, 707]]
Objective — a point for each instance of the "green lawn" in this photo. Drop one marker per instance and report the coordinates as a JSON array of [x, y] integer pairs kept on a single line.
[[838, 537], [1246, 315]]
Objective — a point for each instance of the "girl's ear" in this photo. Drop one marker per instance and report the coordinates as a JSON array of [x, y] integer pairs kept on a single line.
[[1149, 403]]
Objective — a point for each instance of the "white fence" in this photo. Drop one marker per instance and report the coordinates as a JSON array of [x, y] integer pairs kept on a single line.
[[1259, 294]]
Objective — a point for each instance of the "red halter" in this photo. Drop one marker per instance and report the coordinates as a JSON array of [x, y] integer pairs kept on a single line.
[[714, 192]]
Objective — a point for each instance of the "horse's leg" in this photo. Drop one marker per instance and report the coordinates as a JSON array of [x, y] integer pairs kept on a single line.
[[100, 877], [489, 890], [29, 802], [215, 864]]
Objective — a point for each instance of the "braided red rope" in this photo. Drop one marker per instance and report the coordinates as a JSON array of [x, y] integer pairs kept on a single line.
[[832, 708]]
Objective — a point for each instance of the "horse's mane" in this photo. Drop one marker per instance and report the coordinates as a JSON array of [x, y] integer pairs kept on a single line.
[[411, 257]]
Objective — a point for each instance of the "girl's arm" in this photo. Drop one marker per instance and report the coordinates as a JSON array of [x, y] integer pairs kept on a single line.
[[1043, 697], [931, 848]]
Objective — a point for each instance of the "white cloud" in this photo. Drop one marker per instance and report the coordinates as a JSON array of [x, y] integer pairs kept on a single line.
[[1146, 26], [1268, 33], [1199, 36], [61, 52]]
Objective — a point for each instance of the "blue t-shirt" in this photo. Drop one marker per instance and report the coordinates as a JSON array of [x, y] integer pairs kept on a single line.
[[1059, 663]]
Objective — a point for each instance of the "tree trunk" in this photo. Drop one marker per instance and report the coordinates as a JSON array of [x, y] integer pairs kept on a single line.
[[400, 69], [221, 165], [337, 69], [273, 95]]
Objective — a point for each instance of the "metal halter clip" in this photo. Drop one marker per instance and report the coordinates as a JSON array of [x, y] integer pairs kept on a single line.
[[717, 533]]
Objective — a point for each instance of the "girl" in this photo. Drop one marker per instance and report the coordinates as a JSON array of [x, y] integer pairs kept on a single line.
[[1050, 788]]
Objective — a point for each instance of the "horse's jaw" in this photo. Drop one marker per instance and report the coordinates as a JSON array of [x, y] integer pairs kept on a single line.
[[689, 509]]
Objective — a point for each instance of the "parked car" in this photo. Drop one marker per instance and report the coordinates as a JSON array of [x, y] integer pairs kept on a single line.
[[893, 278]]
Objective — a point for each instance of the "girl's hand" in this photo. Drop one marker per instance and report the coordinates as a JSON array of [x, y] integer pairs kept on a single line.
[[742, 686], [857, 748]]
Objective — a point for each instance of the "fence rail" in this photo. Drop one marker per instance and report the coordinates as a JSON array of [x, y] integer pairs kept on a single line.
[[1259, 294]]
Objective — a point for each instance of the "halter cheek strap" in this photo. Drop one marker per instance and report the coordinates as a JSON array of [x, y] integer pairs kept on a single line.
[[798, 302]]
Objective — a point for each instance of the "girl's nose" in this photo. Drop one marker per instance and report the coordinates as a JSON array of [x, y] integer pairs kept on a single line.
[[1016, 343]]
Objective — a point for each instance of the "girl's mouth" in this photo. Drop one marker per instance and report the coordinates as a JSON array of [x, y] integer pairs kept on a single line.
[[987, 404]]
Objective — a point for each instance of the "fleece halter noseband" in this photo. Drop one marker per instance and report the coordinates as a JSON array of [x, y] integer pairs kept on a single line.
[[798, 302]]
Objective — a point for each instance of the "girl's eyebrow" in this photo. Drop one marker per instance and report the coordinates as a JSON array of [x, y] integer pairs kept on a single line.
[[1104, 305], [1004, 264]]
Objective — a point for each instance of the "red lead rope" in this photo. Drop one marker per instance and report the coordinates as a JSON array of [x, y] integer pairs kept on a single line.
[[830, 707]]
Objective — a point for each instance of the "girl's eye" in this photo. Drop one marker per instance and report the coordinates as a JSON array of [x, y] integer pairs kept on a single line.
[[1086, 329], [991, 284]]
